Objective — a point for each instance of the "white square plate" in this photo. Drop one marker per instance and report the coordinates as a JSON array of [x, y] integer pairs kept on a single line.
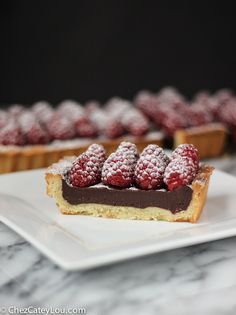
[[83, 242]]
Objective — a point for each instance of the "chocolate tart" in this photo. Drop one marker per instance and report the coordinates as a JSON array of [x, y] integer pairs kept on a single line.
[[19, 158], [209, 139], [183, 204]]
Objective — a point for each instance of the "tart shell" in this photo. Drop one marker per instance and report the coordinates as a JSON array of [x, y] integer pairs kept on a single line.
[[191, 214]]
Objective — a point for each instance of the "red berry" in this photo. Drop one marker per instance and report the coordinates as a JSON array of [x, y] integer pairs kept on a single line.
[[147, 103], [150, 168], [43, 111], [128, 147], [11, 135], [98, 150], [86, 170], [118, 169], [70, 109], [180, 172], [60, 128], [113, 128], [135, 122], [3, 118], [91, 106], [15, 110], [198, 115], [84, 128], [188, 150], [36, 135], [31, 129], [173, 122], [116, 107]]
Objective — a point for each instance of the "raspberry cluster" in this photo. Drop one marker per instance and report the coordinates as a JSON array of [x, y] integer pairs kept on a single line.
[[118, 169], [183, 167], [166, 110], [150, 167], [86, 169], [153, 169]]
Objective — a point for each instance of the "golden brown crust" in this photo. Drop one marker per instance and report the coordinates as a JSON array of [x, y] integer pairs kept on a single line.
[[199, 186], [31, 157], [209, 139]]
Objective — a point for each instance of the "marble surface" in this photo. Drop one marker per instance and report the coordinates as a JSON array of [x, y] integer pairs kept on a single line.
[[194, 280]]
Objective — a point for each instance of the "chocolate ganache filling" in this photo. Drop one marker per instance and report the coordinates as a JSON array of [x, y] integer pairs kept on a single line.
[[175, 201]]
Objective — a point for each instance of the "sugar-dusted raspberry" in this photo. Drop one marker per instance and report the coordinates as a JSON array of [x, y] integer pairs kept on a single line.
[[15, 110], [71, 110], [135, 122], [113, 128], [202, 97], [60, 128], [188, 150], [85, 128], [31, 129], [43, 111], [11, 134], [128, 147], [86, 170], [169, 94], [173, 122], [147, 103], [150, 168], [180, 172], [199, 114], [91, 106], [36, 135], [227, 114], [117, 107], [118, 169], [98, 150], [223, 96], [3, 118]]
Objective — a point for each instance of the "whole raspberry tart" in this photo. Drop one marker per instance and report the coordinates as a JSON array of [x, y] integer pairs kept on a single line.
[[126, 185]]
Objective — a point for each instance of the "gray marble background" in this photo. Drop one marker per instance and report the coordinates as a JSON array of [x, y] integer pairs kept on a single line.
[[197, 280]]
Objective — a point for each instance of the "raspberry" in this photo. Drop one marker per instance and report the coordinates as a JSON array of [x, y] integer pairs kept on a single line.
[[128, 147], [91, 106], [150, 168], [43, 111], [202, 97], [60, 128], [36, 135], [84, 128], [11, 135], [3, 118], [117, 107], [71, 110], [135, 122], [188, 150], [118, 169], [113, 129], [199, 115], [15, 110], [98, 150], [86, 170], [147, 103], [173, 122], [223, 96], [169, 95], [180, 172]]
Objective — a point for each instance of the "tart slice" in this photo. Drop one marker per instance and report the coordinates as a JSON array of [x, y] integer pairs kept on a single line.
[[151, 186]]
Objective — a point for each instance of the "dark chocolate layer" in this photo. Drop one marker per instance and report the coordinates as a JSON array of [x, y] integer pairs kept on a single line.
[[174, 201]]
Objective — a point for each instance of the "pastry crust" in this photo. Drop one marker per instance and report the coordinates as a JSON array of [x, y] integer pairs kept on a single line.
[[210, 139], [191, 214], [15, 158]]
